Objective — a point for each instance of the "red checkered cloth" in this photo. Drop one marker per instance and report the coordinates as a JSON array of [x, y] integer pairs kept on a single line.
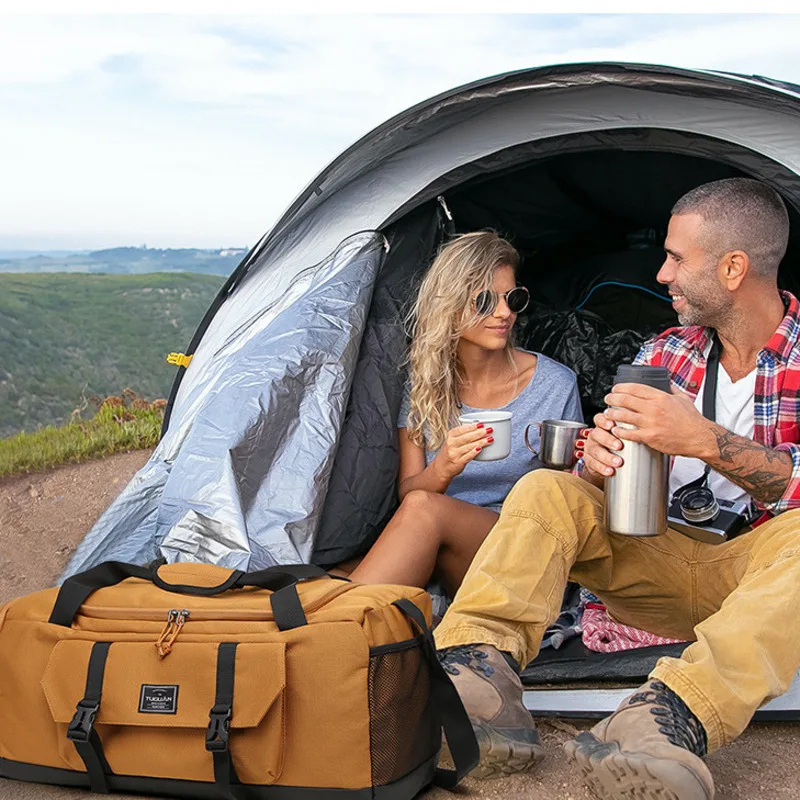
[[603, 635]]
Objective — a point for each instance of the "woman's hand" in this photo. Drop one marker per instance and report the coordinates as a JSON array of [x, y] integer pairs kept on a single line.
[[460, 447]]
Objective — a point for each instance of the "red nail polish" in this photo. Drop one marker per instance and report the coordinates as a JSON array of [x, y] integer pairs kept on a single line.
[[478, 449], [491, 439], [490, 430], [480, 425], [580, 442]]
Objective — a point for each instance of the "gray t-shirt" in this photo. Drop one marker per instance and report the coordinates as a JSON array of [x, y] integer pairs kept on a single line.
[[552, 393]]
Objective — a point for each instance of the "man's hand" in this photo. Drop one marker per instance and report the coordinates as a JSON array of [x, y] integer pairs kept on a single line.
[[669, 423]]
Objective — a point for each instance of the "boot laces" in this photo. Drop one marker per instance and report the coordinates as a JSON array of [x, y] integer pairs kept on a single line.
[[674, 718], [466, 656]]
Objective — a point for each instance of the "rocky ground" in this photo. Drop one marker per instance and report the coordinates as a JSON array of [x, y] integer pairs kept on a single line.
[[44, 516]]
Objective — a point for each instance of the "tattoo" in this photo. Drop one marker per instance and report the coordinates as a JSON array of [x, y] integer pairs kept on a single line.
[[730, 445], [761, 484], [748, 463]]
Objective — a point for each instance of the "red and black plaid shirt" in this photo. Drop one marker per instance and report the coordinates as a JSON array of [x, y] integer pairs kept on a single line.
[[777, 394]]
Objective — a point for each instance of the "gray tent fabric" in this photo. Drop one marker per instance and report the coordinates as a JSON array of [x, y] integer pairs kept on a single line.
[[361, 492], [263, 460]]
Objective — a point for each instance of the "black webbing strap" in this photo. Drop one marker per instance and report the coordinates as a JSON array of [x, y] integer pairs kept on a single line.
[[287, 608], [75, 590], [218, 734], [457, 727], [81, 730], [709, 409], [712, 375]]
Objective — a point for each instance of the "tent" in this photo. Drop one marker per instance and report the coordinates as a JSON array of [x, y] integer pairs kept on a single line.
[[279, 442]]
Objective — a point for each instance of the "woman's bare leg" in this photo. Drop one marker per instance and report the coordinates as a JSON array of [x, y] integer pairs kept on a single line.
[[428, 533]]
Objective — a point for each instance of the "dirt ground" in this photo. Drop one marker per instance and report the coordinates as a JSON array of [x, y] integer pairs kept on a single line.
[[44, 516]]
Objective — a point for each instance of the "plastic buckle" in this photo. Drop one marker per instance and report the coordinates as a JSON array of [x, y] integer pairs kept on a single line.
[[217, 734], [82, 723]]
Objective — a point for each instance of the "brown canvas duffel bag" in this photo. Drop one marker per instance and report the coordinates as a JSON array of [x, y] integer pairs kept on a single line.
[[196, 681]]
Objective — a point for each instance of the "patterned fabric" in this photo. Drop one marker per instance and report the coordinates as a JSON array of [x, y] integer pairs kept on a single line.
[[603, 635], [777, 394]]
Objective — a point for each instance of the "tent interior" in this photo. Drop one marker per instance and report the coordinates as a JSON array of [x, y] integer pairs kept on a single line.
[[586, 222], [589, 217]]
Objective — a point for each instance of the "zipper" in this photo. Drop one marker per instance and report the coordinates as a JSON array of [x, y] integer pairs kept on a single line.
[[175, 622], [207, 615]]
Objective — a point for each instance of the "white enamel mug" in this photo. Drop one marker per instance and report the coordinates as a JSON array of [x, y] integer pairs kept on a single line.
[[500, 422]]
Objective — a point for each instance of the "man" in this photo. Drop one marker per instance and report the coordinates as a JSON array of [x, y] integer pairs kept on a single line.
[[737, 601]]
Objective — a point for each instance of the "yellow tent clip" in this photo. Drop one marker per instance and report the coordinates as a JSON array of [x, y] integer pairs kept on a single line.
[[179, 359]]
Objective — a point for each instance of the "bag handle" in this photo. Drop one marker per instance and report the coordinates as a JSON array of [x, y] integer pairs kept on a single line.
[[457, 727], [75, 590]]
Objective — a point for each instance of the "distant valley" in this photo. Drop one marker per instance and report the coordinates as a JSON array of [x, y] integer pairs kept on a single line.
[[64, 338], [126, 261]]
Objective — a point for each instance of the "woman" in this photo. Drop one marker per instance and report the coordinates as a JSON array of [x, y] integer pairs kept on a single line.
[[463, 360]]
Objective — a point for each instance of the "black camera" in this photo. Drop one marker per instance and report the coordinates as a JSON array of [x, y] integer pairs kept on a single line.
[[697, 513]]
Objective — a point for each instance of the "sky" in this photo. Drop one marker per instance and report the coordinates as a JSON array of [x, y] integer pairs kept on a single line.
[[177, 130]]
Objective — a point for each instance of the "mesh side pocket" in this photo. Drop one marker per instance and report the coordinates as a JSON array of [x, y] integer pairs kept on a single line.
[[404, 728]]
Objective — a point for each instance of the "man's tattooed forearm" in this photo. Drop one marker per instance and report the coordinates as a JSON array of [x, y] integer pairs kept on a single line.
[[760, 483], [730, 445], [762, 472]]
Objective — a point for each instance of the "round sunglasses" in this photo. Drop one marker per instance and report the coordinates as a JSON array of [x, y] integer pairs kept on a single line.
[[517, 300]]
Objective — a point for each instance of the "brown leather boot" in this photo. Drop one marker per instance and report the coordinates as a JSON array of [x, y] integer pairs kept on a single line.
[[492, 695], [651, 748]]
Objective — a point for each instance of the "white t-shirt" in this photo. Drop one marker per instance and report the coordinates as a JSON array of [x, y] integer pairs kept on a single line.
[[735, 413]]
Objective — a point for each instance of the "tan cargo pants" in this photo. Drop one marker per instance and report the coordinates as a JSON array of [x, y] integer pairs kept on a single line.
[[737, 601]]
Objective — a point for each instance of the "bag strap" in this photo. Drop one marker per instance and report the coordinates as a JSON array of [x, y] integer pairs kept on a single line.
[[81, 731], [218, 733], [76, 590], [457, 727]]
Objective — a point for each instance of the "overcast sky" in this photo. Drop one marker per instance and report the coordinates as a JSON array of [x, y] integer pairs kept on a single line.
[[198, 131]]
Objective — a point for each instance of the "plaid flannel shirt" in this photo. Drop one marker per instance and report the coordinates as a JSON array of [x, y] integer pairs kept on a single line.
[[777, 393]]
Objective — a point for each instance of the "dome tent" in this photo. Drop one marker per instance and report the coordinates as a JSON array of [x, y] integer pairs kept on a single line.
[[279, 443]]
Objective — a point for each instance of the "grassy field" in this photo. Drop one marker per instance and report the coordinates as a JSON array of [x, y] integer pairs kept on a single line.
[[67, 337], [120, 423]]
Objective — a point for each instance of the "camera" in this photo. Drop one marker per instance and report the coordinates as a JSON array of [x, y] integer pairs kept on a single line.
[[697, 513]]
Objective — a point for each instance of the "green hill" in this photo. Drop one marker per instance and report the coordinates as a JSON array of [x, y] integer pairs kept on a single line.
[[64, 338]]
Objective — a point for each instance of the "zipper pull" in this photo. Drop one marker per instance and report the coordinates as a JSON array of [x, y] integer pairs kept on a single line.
[[173, 612], [180, 621]]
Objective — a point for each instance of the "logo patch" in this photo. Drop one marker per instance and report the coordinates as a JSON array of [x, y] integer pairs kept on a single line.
[[158, 699]]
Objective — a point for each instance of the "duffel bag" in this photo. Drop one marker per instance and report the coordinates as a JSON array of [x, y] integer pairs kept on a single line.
[[202, 682]]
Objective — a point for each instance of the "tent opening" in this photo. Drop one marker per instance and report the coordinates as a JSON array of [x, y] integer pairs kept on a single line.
[[588, 214], [590, 227]]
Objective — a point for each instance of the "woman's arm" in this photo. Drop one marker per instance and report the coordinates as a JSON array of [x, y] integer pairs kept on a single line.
[[413, 473], [460, 447]]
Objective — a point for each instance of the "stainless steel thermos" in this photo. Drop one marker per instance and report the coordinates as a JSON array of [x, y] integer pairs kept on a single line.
[[637, 494]]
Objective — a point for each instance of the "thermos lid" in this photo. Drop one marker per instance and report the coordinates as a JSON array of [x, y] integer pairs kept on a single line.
[[657, 377]]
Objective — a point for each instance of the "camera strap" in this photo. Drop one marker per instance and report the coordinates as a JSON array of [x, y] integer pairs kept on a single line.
[[712, 375], [709, 407]]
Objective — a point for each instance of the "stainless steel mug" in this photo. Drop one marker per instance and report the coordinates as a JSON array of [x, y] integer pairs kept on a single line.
[[637, 494], [558, 437]]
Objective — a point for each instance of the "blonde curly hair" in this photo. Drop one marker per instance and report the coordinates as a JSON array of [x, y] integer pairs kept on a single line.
[[443, 310]]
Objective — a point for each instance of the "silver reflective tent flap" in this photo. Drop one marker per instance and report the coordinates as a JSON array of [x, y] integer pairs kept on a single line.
[[240, 478]]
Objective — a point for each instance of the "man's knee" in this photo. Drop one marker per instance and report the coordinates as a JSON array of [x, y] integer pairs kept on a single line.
[[545, 481]]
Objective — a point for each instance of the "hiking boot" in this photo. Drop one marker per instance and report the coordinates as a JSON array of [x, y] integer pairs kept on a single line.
[[492, 695], [651, 748]]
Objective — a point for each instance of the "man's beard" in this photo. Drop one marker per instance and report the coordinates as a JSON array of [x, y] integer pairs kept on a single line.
[[707, 309]]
